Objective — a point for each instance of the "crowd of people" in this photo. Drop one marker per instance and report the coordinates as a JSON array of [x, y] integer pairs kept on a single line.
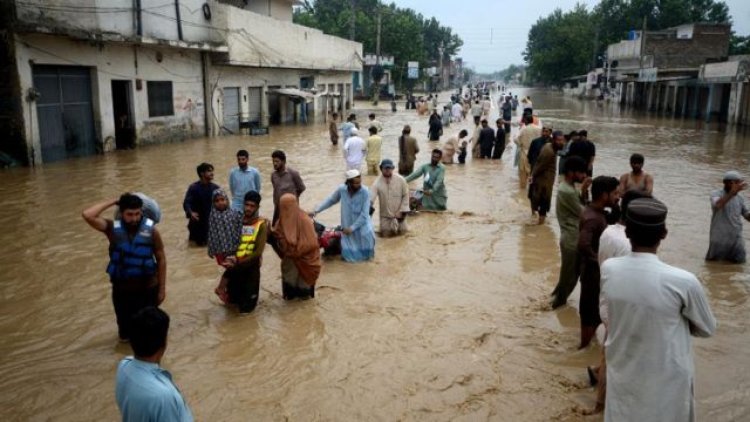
[[610, 232]]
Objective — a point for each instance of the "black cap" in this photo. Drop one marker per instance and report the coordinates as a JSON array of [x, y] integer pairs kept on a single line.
[[646, 212]]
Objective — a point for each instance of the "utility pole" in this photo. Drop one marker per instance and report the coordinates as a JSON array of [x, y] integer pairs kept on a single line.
[[440, 64], [376, 82], [352, 22], [377, 42]]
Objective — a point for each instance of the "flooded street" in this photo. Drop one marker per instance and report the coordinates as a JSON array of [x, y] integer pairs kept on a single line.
[[447, 323]]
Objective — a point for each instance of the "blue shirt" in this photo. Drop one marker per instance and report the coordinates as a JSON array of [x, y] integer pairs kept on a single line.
[[145, 393], [346, 129], [242, 182]]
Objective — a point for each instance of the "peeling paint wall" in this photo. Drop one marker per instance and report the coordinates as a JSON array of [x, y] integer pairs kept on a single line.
[[110, 62], [158, 18]]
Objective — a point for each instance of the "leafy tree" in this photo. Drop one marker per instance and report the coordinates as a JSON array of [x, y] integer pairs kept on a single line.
[[405, 34], [739, 45], [563, 44]]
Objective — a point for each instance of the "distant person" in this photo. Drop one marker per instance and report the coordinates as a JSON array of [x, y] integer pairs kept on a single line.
[[457, 112], [500, 141], [452, 145], [284, 180], [436, 127], [486, 140], [728, 208], [476, 110], [243, 179], [298, 248], [346, 127], [145, 391], [358, 240], [333, 129], [243, 269], [486, 107], [392, 192], [585, 149], [373, 122], [137, 263], [445, 117], [569, 139], [537, 144], [434, 194], [354, 150], [543, 177], [198, 203], [374, 146], [527, 134], [507, 110], [407, 152], [605, 193], [637, 179], [568, 208], [653, 309]]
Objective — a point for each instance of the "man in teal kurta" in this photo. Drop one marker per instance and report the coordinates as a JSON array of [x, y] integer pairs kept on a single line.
[[433, 187]]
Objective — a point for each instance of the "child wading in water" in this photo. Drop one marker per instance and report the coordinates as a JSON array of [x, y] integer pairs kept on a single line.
[[224, 231]]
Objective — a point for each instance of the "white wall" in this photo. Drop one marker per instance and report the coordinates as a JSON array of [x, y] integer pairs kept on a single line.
[[117, 18], [624, 49], [246, 77], [116, 61], [262, 41]]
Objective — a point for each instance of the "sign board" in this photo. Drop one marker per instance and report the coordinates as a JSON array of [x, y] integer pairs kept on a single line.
[[372, 60], [412, 71], [647, 74]]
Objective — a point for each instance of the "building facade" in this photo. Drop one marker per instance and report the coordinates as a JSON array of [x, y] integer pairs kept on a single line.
[[682, 71], [106, 74]]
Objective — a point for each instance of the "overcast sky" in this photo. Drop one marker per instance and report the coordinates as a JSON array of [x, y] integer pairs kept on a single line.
[[494, 31]]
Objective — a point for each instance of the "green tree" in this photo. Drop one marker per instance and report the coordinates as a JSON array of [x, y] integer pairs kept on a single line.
[[564, 44], [560, 45], [405, 34]]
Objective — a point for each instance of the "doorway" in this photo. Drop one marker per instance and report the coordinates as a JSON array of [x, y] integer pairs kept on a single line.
[[122, 107]]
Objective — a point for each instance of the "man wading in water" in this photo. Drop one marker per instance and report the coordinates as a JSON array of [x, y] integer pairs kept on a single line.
[[137, 264]]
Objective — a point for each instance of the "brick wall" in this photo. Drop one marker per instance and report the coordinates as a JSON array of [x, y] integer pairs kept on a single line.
[[709, 42]]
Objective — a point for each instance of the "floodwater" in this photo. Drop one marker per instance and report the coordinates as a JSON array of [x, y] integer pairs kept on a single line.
[[447, 323]]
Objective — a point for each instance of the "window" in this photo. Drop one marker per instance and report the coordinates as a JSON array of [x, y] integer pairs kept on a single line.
[[160, 98]]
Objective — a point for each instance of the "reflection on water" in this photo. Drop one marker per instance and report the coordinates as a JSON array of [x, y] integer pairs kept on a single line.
[[446, 323]]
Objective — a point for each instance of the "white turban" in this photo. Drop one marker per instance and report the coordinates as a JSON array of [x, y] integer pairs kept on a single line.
[[351, 174]]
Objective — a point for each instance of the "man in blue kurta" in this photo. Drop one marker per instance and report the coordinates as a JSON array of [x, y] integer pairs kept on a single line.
[[434, 196], [729, 209], [358, 240], [145, 391], [243, 179]]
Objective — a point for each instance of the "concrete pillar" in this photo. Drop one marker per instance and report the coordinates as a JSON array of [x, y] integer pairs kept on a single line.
[[696, 101], [709, 103], [734, 103], [674, 100], [264, 117]]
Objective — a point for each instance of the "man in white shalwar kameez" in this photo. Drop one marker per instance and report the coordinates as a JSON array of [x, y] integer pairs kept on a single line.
[[653, 309]]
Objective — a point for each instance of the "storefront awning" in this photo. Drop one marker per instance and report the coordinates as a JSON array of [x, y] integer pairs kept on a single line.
[[294, 92]]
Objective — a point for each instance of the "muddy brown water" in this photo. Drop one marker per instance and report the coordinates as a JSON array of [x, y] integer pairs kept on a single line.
[[447, 323]]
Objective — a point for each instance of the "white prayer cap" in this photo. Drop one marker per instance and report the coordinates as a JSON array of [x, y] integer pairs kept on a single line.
[[351, 174], [732, 175], [354, 131]]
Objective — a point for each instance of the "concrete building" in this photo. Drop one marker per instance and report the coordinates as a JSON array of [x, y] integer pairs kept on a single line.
[[660, 71], [102, 74]]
